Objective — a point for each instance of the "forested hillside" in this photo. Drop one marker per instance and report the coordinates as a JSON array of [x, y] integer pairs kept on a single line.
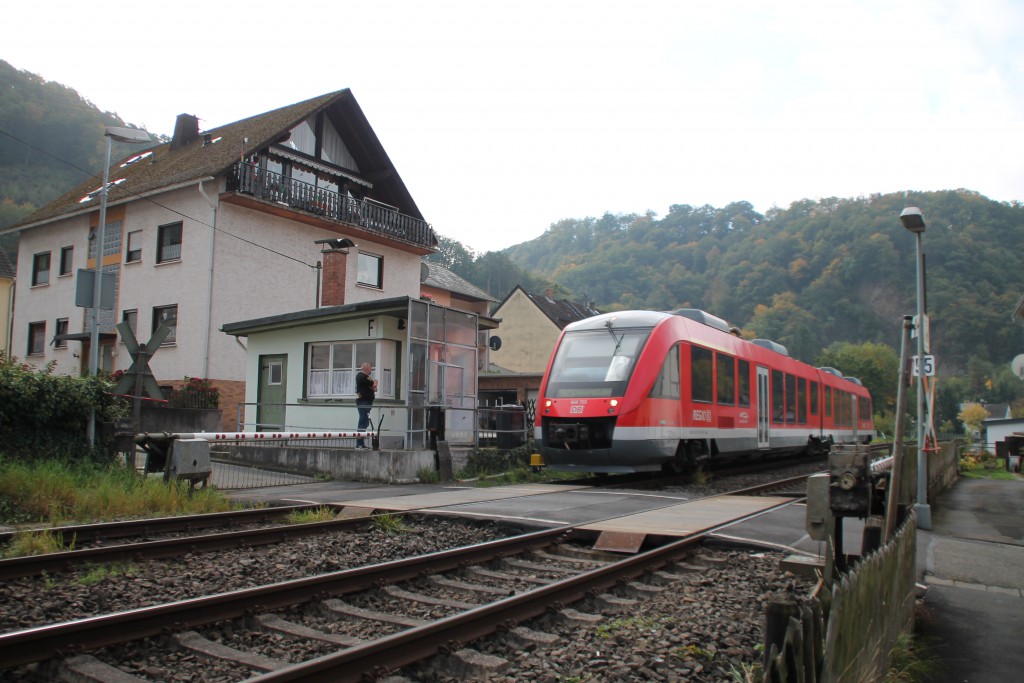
[[51, 138], [830, 279], [809, 275]]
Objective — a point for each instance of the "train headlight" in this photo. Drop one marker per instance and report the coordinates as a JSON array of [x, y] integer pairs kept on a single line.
[[547, 403], [614, 402]]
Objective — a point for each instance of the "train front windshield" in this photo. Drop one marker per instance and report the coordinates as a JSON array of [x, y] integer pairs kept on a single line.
[[595, 363]]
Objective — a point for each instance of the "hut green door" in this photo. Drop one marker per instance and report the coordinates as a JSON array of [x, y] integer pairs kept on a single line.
[[272, 393]]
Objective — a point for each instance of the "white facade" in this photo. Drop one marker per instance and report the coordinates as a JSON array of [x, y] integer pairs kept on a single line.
[[253, 265]]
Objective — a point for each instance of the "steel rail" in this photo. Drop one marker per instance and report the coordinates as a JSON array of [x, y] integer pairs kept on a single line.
[[407, 647], [102, 531], [33, 565]]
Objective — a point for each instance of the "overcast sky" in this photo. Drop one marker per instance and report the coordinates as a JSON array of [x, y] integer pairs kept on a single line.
[[504, 117]]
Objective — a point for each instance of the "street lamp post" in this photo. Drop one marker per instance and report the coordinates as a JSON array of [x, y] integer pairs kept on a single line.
[[913, 220], [130, 135]]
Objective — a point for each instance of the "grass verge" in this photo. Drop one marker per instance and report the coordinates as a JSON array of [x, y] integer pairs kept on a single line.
[[54, 492]]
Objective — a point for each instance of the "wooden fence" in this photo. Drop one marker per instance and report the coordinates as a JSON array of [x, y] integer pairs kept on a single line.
[[845, 635]]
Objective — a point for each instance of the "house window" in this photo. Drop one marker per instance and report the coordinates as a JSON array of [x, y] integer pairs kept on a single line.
[[67, 259], [169, 315], [36, 339], [168, 243], [134, 252], [275, 373], [132, 318], [62, 329], [332, 367], [41, 269], [371, 270]]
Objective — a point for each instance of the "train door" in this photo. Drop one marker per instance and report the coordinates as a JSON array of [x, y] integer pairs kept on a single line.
[[763, 407]]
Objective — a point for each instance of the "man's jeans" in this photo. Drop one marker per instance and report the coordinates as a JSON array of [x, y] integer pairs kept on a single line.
[[364, 420]]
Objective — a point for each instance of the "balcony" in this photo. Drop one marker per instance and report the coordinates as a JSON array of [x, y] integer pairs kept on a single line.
[[275, 188]]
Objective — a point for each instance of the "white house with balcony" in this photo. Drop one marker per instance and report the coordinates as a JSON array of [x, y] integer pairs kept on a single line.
[[222, 225]]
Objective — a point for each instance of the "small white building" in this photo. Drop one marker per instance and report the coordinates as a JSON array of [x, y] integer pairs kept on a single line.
[[301, 369]]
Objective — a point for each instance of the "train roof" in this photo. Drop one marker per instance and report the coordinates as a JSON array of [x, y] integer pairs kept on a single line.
[[704, 317], [619, 319]]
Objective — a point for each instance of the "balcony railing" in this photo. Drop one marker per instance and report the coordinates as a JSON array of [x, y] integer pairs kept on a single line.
[[248, 179]]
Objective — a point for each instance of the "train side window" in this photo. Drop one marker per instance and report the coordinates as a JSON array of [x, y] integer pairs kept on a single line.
[[790, 399], [814, 398], [778, 397], [801, 400], [828, 401], [702, 386], [743, 382], [667, 383], [726, 379], [864, 412]]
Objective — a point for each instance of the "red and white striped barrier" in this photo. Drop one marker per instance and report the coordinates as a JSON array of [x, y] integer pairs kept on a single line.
[[267, 436]]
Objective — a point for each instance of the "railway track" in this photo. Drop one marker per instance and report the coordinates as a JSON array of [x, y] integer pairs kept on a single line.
[[452, 597], [262, 527]]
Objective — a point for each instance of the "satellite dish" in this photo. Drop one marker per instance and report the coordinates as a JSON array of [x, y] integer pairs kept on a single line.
[[495, 343], [1017, 364]]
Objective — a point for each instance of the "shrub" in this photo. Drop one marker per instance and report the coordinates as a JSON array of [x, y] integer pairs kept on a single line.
[[195, 393], [486, 461], [45, 415]]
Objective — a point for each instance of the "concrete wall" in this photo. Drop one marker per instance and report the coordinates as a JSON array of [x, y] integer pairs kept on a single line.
[[180, 420], [388, 466]]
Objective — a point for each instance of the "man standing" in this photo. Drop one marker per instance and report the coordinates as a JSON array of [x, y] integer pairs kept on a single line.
[[366, 390]]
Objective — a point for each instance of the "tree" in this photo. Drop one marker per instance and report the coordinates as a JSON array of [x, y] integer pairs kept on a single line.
[[972, 416], [876, 365]]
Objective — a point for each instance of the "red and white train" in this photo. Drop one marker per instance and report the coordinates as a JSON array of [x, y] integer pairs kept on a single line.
[[638, 391]]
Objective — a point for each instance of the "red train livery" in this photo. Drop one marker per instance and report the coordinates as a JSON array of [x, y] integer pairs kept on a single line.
[[638, 391]]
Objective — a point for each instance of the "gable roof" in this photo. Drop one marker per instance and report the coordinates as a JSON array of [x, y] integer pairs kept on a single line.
[[435, 275], [561, 312], [176, 165]]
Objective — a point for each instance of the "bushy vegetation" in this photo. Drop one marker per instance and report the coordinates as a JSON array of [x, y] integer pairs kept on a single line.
[[484, 462], [57, 491], [45, 415]]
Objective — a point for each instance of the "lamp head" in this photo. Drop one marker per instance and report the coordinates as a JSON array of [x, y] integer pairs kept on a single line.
[[131, 135], [912, 219]]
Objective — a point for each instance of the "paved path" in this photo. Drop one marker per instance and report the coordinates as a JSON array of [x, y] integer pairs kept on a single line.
[[973, 564]]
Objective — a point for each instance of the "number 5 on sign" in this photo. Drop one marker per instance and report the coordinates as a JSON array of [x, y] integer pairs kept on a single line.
[[929, 366]]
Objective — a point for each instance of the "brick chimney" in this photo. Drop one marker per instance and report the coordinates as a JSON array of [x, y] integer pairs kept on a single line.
[[186, 130], [335, 269]]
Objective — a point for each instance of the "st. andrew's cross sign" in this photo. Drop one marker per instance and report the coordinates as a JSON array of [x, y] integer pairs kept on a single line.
[[139, 377]]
